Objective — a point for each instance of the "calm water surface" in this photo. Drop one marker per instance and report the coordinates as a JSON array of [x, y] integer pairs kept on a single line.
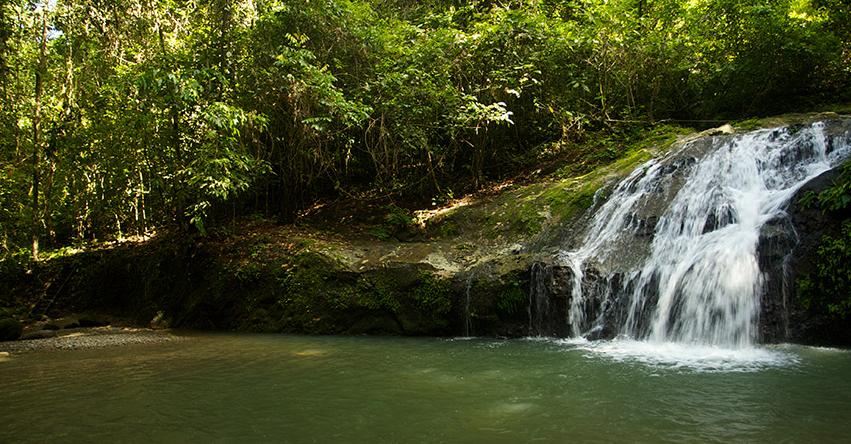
[[270, 388]]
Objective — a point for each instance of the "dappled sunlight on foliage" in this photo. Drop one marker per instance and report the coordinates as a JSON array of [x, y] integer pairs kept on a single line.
[[157, 114]]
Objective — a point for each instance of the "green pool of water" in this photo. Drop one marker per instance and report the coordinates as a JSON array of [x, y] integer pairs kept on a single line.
[[269, 388]]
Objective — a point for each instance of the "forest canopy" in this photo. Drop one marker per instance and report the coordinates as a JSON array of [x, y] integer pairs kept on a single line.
[[122, 116]]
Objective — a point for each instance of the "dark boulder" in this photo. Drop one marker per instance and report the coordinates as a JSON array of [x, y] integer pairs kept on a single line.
[[10, 329], [91, 320], [39, 334]]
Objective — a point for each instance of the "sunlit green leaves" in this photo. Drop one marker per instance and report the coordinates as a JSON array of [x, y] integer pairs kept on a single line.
[[160, 113], [222, 167], [476, 115]]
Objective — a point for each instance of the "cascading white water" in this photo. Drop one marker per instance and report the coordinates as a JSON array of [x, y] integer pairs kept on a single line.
[[699, 282]]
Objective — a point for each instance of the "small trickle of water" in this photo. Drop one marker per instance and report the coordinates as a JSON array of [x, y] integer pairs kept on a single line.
[[538, 301], [468, 322], [700, 281]]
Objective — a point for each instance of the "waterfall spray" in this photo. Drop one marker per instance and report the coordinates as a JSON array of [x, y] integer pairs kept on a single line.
[[699, 279]]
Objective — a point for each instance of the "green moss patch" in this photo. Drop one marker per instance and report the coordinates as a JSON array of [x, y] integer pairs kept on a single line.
[[520, 212]]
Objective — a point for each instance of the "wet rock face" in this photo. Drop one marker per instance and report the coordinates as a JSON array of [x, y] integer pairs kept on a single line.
[[776, 243], [806, 324], [788, 250], [605, 305], [549, 296]]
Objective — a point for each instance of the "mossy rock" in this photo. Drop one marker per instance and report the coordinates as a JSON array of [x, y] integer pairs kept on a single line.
[[493, 298], [10, 329], [426, 305]]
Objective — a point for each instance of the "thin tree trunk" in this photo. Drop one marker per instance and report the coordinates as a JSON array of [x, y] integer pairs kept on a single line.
[[18, 149], [224, 61], [47, 197], [178, 212], [141, 197], [39, 90], [68, 92]]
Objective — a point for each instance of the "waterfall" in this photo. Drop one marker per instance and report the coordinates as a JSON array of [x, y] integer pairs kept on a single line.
[[681, 234]]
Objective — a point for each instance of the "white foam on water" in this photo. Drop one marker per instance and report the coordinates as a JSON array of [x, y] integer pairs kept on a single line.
[[688, 357], [827, 349], [538, 339]]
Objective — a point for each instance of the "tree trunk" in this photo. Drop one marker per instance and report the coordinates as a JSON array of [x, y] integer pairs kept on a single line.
[[177, 185], [39, 90]]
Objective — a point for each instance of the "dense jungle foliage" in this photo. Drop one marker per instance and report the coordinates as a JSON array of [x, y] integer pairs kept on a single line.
[[119, 117]]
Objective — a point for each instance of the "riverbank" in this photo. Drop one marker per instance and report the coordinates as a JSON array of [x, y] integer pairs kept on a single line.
[[87, 338]]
